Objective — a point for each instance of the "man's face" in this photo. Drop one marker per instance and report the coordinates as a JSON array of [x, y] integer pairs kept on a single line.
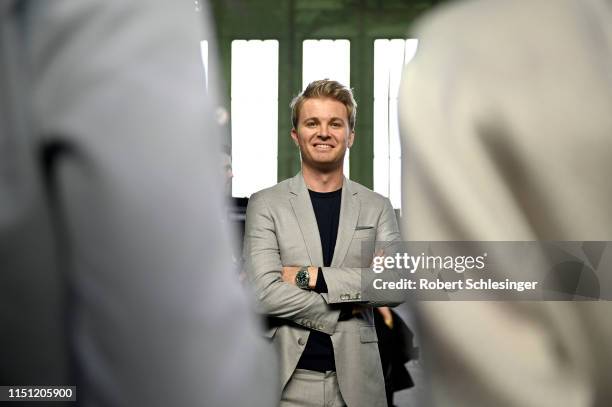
[[323, 133]]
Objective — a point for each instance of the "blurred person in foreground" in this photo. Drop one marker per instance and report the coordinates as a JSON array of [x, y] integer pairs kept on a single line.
[[115, 264], [303, 255], [507, 135]]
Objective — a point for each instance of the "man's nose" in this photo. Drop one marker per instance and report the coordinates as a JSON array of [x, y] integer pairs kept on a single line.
[[323, 134]]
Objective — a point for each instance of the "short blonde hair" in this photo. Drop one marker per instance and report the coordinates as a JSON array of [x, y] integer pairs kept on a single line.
[[325, 88]]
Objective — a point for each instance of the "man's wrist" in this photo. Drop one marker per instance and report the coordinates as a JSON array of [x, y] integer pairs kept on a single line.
[[313, 273], [302, 277]]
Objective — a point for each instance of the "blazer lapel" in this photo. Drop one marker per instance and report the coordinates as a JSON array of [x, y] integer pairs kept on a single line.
[[304, 213], [349, 214]]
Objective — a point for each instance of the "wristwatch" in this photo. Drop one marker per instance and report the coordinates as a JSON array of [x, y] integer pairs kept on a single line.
[[302, 278]]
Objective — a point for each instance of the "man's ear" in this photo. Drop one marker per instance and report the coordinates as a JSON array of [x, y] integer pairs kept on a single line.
[[294, 136], [351, 138]]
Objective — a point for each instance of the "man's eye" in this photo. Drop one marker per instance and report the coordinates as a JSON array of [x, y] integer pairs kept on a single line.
[[336, 125], [310, 124]]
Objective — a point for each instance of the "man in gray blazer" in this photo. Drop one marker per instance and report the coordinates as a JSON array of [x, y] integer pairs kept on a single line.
[[303, 252]]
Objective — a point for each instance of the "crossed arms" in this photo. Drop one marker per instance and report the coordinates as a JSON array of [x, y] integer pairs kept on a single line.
[[274, 285]]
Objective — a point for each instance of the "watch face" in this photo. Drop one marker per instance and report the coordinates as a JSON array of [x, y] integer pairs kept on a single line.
[[302, 278]]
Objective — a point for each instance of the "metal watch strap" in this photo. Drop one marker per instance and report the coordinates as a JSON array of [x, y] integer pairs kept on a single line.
[[302, 278]]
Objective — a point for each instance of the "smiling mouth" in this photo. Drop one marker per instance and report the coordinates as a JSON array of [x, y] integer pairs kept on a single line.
[[323, 147]]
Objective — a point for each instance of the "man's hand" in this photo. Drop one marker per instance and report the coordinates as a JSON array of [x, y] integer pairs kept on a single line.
[[385, 312], [289, 272], [377, 253]]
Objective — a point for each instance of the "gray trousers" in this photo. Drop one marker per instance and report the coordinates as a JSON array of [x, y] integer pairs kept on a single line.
[[308, 388]]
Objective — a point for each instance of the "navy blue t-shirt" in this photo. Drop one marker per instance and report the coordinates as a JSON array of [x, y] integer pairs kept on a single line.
[[319, 352]]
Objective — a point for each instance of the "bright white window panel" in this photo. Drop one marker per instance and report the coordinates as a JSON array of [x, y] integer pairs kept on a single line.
[[204, 53], [329, 59], [254, 116], [390, 57]]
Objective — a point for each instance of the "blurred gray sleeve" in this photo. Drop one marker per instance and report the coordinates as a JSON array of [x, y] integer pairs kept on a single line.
[[120, 105]]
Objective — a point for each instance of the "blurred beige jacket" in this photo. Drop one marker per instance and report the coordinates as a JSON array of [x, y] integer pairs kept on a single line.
[[506, 123]]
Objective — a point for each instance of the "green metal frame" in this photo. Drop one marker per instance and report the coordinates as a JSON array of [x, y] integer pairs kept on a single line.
[[292, 21]]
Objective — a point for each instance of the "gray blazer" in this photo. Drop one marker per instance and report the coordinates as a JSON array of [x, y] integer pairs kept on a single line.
[[281, 229]]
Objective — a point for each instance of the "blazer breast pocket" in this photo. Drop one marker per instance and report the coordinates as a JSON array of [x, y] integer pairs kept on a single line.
[[363, 232]]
